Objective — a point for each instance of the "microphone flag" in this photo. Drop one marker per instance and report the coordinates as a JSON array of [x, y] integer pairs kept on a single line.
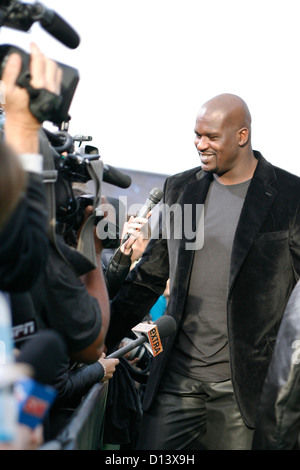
[[150, 330]]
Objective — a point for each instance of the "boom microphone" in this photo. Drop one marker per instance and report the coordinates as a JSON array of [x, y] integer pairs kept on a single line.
[[110, 174], [154, 197], [116, 177], [21, 16], [56, 26], [165, 325]]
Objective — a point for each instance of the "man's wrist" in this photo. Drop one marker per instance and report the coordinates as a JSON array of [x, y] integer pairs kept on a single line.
[[22, 139], [22, 123]]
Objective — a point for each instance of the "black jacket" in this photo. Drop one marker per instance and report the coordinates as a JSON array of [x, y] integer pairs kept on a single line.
[[265, 266], [24, 240], [279, 408], [61, 300], [116, 271]]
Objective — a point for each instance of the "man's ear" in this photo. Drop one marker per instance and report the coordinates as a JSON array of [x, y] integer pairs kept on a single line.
[[243, 136]]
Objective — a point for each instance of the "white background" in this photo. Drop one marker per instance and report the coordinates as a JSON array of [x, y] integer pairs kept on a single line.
[[147, 66]]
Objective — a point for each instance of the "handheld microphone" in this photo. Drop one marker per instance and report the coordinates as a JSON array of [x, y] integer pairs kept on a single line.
[[153, 198], [34, 401], [44, 353], [149, 334]]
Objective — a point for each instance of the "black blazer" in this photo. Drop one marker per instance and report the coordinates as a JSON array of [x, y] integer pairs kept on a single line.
[[265, 266]]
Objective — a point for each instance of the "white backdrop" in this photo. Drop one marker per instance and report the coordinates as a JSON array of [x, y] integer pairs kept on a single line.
[[147, 66]]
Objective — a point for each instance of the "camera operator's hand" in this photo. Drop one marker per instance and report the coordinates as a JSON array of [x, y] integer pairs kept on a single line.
[[21, 127], [98, 243]]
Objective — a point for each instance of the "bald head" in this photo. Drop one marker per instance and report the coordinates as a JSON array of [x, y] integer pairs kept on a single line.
[[228, 110], [223, 137]]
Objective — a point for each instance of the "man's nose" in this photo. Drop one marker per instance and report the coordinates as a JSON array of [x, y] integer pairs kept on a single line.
[[202, 143]]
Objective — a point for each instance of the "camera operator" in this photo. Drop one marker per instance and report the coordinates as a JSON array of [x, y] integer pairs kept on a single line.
[[23, 213], [68, 296], [12, 180], [72, 299], [23, 227], [23, 232], [23, 237], [73, 306], [24, 242]]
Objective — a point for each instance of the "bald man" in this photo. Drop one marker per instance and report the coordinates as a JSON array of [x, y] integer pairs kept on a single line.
[[228, 287]]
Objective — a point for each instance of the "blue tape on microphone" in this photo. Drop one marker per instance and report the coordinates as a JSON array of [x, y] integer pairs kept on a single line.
[[35, 400]]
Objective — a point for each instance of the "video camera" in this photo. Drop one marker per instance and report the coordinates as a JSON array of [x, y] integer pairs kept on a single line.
[[72, 166], [45, 106], [21, 16]]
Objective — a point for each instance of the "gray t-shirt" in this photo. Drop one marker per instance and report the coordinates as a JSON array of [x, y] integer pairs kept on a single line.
[[201, 347]]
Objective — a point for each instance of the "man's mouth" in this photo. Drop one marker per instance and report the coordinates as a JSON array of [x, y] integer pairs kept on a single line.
[[206, 157]]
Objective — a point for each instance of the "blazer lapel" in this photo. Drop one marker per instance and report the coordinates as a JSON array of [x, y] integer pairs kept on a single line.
[[194, 194], [258, 201]]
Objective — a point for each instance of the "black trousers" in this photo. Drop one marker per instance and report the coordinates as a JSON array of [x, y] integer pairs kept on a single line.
[[192, 415]]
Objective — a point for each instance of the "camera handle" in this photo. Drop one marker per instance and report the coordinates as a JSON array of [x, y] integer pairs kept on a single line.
[[42, 103], [86, 244]]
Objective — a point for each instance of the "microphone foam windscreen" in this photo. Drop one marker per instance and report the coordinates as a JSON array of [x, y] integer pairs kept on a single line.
[[62, 31], [156, 195], [44, 352], [166, 325]]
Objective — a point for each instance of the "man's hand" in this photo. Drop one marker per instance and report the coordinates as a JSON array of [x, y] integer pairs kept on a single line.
[[21, 127], [109, 366], [134, 227]]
